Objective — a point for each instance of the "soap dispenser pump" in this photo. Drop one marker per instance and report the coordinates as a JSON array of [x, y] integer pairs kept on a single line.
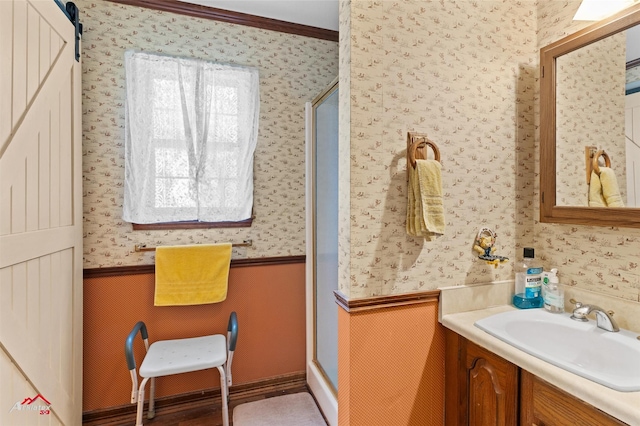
[[552, 293]]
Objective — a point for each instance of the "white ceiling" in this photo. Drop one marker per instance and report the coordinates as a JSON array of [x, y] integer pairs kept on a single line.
[[314, 13]]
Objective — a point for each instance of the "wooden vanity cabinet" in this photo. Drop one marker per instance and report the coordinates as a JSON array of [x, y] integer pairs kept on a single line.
[[542, 404], [483, 389]]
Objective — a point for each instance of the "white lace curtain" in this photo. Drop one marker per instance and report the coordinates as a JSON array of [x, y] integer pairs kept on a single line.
[[191, 128]]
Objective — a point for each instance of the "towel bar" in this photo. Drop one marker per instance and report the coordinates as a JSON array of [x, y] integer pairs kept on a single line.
[[416, 148], [143, 247], [607, 161], [591, 155]]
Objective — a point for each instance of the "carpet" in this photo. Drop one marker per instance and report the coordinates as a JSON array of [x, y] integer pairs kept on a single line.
[[298, 409]]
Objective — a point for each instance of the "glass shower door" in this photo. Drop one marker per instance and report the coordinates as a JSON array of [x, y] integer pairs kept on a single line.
[[325, 230]]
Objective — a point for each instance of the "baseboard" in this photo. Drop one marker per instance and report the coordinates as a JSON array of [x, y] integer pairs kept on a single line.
[[187, 401]]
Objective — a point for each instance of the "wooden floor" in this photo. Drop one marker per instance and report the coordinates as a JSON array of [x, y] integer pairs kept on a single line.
[[195, 414]]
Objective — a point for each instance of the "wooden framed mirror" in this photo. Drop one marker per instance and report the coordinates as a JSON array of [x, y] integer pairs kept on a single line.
[[582, 106]]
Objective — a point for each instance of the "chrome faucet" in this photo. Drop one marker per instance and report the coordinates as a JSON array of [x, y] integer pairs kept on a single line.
[[604, 319]]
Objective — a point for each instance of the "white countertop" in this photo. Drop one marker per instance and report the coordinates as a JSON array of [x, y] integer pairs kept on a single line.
[[624, 406]]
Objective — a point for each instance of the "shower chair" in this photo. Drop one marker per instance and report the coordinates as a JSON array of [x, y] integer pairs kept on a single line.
[[167, 357]]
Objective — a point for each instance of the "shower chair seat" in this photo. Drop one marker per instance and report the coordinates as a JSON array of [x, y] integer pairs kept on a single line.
[[167, 357]]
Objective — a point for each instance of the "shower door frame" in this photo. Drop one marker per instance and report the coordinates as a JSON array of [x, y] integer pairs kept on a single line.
[[320, 386]]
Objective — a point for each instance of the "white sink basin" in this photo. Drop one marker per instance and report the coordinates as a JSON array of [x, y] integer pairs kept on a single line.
[[611, 359]]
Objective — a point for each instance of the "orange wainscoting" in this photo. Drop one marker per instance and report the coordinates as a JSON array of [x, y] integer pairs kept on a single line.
[[269, 301], [394, 359]]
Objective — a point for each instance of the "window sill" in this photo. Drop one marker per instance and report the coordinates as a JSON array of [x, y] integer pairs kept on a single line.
[[191, 225]]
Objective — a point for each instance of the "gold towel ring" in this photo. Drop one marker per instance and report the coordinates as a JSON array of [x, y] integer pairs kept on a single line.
[[422, 144], [594, 163]]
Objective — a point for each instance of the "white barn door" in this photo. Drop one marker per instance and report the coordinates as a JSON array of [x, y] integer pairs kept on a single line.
[[40, 216]]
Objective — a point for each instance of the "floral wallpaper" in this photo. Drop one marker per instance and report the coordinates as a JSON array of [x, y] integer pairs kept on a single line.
[[344, 147], [600, 259], [464, 72], [590, 112], [293, 70]]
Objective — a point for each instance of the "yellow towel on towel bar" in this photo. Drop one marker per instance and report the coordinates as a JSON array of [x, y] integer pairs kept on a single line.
[[610, 189], [192, 274], [425, 211], [596, 199]]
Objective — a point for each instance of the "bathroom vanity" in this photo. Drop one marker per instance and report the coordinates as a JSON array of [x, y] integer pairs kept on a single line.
[[483, 388], [490, 382]]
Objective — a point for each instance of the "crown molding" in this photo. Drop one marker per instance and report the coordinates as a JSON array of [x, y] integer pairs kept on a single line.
[[231, 17]]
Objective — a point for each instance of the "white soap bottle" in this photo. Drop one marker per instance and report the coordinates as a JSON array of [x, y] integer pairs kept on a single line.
[[552, 293]]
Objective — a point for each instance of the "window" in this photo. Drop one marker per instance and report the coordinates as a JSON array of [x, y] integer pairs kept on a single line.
[[191, 128]]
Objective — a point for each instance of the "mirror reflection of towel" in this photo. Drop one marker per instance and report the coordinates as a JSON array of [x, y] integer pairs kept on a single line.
[[604, 190], [596, 199], [610, 189]]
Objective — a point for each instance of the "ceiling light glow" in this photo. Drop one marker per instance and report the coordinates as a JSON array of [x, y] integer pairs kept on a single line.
[[595, 10]]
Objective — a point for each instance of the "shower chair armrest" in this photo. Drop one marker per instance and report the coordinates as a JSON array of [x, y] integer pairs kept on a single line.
[[129, 355], [232, 338]]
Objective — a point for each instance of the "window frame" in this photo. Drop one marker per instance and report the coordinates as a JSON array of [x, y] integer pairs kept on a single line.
[[191, 224]]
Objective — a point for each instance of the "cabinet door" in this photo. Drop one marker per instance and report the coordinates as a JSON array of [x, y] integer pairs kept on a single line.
[[542, 404], [481, 388], [492, 394]]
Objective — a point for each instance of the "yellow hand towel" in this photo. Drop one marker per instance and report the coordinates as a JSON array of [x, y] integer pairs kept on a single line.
[[610, 189], [412, 207], [192, 274], [596, 199], [425, 211]]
